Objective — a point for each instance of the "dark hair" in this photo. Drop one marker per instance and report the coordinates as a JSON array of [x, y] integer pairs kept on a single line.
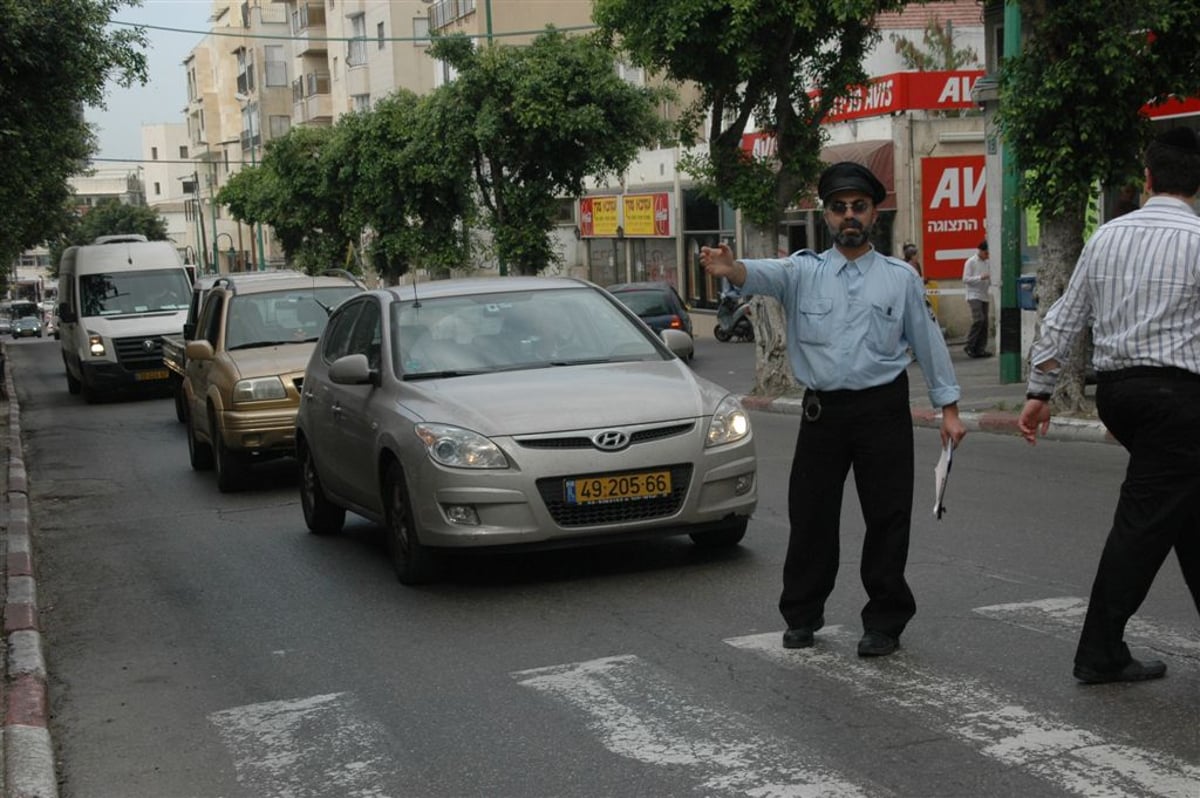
[[1173, 159], [910, 250]]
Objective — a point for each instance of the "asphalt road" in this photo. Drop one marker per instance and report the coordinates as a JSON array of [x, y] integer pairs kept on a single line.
[[202, 644]]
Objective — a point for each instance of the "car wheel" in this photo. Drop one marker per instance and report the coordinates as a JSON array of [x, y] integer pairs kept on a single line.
[[415, 564], [73, 385], [230, 468], [199, 453], [322, 516], [180, 400], [721, 334], [722, 538]]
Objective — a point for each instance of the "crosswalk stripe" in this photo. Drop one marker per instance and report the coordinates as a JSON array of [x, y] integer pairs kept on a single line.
[[1063, 617], [306, 747], [643, 714], [995, 724]]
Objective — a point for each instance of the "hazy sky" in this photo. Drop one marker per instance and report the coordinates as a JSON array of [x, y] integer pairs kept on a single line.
[[163, 98]]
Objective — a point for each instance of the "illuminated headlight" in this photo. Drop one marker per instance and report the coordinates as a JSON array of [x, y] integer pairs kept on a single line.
[[728, 424], [96, 345], [460, 448], [258, 389]]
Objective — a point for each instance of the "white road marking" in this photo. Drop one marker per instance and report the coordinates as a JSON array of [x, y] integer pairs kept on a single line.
[[641, 713], [307, 747], [995, 724], [1063, 617]]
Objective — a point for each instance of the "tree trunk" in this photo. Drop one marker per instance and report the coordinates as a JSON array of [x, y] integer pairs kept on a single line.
[[772, 371], [1061, 243]]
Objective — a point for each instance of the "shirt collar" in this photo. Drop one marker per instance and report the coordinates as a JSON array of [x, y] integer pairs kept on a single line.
[[1163, 199], [839, 261]]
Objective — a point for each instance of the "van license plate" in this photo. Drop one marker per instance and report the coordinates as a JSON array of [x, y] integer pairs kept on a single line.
[[154, 374], [617, 487]]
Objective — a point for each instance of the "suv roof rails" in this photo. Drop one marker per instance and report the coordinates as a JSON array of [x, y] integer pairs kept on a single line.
[[119, 238]]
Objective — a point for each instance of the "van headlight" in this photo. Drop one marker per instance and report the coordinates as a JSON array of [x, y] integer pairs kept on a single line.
[[258, 389], [728, 424], [459, 448], [96, 345]]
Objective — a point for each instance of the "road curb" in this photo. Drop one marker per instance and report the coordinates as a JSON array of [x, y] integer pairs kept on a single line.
[[29, 766], [1061, 429]]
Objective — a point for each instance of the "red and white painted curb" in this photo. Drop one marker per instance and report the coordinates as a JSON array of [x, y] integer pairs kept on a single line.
[[29, 766]]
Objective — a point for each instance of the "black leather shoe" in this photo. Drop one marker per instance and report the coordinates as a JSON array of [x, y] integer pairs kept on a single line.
[[1135, 671], [801, 636], [983, 354], [877, 644]]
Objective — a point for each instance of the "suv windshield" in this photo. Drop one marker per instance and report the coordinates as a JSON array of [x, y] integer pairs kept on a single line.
[[281, 317], [115, 293]]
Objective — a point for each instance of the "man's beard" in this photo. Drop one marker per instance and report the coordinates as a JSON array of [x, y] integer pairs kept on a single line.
[[851, 234]]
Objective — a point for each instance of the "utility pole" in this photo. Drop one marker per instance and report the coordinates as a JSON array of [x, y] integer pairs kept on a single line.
[[1010, 228]]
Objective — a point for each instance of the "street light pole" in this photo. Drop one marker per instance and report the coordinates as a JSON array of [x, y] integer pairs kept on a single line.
[[262, 261]]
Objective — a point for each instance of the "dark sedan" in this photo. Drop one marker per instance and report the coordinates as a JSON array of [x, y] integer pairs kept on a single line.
[[657, 304], [27, 327]]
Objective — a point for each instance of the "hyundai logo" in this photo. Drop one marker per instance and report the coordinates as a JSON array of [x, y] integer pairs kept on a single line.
[[611, 440]]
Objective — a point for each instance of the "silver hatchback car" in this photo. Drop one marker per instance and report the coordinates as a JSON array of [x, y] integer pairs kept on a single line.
[[521, 411]]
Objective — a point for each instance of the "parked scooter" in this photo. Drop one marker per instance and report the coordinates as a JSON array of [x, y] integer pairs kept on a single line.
[[733, 318]]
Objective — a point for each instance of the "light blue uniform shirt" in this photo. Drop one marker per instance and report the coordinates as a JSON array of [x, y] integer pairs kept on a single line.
[[851, 324]]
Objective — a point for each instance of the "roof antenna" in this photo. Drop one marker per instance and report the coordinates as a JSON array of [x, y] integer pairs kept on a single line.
[[416, 299]]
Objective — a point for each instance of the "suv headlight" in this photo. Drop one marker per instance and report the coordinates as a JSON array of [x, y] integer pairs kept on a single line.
[[460, 448], [728, 424], [258, 389]]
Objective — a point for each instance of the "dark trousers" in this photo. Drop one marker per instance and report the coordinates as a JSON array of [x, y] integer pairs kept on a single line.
[[871, 432], [1155, 415], [977, 336]]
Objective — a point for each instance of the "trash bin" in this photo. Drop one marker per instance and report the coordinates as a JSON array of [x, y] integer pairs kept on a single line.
[[1025, 285]]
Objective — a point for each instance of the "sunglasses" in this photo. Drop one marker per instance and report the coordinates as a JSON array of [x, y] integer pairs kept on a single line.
[[839, 207]]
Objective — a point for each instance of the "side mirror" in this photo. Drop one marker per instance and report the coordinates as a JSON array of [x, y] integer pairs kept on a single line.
[[677, 341], [351, 370]]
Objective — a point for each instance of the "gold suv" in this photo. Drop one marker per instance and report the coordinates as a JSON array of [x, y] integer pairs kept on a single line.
[[244, 369]]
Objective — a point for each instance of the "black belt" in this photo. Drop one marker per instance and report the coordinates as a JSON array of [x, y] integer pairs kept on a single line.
[[814, 399], [1148, 372]]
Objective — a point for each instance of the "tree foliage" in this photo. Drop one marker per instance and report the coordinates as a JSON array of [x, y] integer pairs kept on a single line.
[[107, 217], [1069, 111], [540, 119], [55, 58], [936, 51]]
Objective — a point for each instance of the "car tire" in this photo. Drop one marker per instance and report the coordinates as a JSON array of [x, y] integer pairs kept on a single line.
[[322, 516], [415, 564], [721, 334], [725, 537], [180, 400], [230, 468], [199, 453], [73, 385]]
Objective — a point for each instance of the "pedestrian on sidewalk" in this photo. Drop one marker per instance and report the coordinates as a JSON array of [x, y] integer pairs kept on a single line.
[[1136, 283], [977, 279], [852, 317]]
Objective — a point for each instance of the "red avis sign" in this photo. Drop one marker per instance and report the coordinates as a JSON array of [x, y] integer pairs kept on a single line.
[[954, 207]]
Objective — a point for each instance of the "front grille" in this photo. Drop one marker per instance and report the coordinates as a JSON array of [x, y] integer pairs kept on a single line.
[[570, 515], [134, 355], [585, 441]]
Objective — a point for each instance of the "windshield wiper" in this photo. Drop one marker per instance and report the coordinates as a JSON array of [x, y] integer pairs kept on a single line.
[[436, 375]]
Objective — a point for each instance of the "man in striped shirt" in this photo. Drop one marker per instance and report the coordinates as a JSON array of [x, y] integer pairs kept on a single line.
[[1137, 283]]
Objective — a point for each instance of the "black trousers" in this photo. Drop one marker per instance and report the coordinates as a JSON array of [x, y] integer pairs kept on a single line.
[[1155, 415], [871, 432], [977, 336]]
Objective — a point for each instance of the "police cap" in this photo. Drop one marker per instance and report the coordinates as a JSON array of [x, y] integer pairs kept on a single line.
[[850, 176]]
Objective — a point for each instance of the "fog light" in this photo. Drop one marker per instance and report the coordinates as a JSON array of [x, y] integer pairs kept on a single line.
[[743, 484], [462, 514]]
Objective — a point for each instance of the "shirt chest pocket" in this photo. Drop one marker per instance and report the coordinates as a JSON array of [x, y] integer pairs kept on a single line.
[[814, 321], [883, 330]]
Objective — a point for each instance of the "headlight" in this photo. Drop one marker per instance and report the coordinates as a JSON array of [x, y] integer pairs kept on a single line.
[[258, 389], [95, 344], [460, 448], [728, 424]]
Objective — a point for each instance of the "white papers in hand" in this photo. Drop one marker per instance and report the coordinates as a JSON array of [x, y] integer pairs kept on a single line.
[[941, 475]]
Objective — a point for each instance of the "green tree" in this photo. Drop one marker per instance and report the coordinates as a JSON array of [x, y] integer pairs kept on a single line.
[[1069, 111], [540, 119], [107, 217], [936, 50], [782, 63], [55, 58]]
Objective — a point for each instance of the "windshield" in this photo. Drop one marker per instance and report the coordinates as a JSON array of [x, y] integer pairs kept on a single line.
[[281, 317], [148, 291], [528, 329]]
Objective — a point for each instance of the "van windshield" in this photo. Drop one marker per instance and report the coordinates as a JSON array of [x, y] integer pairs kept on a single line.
[[117, 293]]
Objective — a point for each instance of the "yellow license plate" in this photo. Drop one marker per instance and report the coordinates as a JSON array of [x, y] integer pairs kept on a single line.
[[617, 487], [155, 374]]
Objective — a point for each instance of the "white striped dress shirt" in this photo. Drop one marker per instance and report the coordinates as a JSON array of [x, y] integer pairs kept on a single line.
[[1137, 282]]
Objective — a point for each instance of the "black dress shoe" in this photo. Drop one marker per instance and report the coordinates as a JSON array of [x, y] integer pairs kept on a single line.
[[801, 636], [877, 644], [982, 354], [1135, 671]]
